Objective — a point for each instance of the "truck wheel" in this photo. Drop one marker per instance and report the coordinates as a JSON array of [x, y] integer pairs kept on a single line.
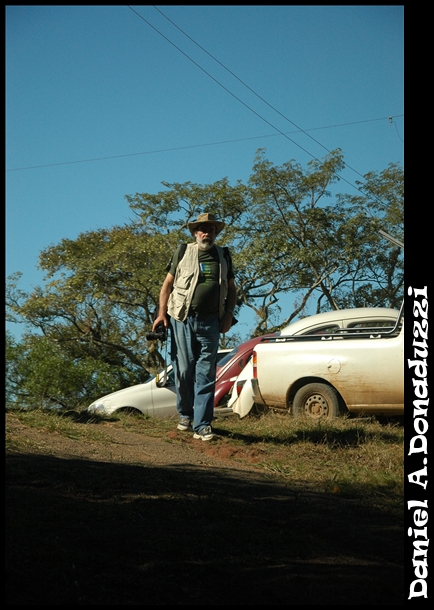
[[317, 401]]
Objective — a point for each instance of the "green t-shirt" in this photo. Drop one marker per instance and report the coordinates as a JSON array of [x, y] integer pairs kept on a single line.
[[207, 292]]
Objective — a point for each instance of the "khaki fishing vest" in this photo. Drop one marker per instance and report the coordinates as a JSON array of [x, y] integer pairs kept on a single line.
[[186, 276]]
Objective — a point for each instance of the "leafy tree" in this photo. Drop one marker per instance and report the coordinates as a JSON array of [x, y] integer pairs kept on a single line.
[[293, 239], [39, 374], [100, 290], [320, 251], [379, 207]]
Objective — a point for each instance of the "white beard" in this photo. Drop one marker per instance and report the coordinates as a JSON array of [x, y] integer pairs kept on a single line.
[[206, 243]]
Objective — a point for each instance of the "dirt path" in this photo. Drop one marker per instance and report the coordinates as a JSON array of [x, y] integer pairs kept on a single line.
[[129, 447], [142, 520]]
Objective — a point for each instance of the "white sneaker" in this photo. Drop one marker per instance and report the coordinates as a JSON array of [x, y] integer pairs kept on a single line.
[[206, 434], [184, 424]]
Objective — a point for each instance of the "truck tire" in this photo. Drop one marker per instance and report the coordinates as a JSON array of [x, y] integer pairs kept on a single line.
[[317, 401]]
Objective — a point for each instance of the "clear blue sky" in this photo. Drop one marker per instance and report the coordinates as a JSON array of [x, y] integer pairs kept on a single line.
[[105, 101]]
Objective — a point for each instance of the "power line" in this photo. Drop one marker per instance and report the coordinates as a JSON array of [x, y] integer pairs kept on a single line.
[[152, 152], [238, 99], [250, 89], [220, 84]]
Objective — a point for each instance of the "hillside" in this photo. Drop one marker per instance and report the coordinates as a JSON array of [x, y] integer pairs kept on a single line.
[[143, 515]]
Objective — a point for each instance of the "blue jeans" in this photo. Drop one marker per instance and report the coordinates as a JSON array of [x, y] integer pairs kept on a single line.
[[194, 347]]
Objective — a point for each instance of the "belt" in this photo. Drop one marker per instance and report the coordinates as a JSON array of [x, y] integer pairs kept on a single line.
[[197, 314]]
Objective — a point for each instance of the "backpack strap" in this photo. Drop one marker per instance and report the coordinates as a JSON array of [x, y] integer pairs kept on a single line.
[[182, 249], [228, 257]]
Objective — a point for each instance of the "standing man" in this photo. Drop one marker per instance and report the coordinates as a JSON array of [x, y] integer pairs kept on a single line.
[[199, 295]]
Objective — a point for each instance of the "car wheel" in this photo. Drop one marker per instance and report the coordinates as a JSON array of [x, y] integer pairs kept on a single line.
[[317, 401]]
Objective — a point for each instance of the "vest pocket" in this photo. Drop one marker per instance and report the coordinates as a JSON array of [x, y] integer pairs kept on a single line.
[[183, 281], [178, 304]]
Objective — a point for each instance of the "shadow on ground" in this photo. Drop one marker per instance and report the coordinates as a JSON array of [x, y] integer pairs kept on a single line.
[[90, 533]]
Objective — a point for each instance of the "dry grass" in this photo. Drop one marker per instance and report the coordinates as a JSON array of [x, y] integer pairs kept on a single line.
[[358, 458], [276, 511]]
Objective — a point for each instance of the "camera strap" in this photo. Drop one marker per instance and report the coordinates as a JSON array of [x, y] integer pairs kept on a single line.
[[162, 378]]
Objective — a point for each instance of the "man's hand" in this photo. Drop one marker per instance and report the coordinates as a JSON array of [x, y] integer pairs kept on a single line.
[[161, 319], [226, 322]]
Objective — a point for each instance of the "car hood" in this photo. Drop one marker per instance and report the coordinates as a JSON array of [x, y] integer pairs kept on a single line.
[[141, 389]]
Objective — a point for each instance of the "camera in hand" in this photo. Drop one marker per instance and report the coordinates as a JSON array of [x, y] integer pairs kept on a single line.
[[159, 334]]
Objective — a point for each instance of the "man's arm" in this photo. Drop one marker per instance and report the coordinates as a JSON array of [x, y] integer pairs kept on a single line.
[[165, 291], [231, 301]]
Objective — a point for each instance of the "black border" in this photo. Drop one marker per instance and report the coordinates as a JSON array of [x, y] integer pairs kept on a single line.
[[416, 436]]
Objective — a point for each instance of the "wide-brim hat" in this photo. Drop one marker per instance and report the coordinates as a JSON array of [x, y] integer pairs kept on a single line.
[[203, 219]]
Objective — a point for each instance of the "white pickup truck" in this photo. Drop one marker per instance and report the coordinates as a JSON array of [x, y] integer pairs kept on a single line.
[[322, 376]]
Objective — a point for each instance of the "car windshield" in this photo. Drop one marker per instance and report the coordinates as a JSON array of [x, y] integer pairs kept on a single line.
[[227, 357], [323, 330]]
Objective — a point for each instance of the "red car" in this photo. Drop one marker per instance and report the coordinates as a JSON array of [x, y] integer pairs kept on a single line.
[[229, 367]]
